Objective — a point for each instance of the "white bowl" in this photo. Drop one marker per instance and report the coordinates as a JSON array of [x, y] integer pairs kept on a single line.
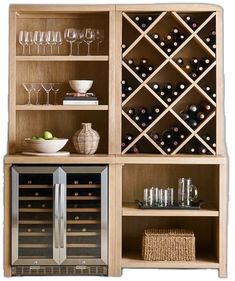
[[80, 86], [46, 146]]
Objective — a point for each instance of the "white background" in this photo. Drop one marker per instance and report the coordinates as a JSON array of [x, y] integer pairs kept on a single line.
[[229, 51]]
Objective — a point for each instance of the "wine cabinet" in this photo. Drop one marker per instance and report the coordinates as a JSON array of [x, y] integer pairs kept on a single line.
[[59, 215], [158, 77]]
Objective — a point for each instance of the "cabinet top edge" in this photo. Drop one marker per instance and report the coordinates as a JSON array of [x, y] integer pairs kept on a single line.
[[182, 7], [63, 8]]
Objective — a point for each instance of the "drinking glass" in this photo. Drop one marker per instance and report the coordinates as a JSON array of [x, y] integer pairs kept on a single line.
[[47, 88], [37, 88], [187, 192], [55, 88], [29, 89], [43, 41], [22, 40], [99, 37], [29, 40], [169, 196], [89, 37], [70, 35], [58, 40], [51, 39], [80, 39], [37, 40]]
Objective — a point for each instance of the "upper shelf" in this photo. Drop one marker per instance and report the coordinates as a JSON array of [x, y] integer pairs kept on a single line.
[[62, 58], [61, 107]]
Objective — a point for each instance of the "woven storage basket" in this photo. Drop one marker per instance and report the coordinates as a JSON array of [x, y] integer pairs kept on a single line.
[[168, 245], [86, 140]]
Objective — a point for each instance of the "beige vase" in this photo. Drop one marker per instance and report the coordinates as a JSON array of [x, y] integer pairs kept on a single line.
[[86, 140]]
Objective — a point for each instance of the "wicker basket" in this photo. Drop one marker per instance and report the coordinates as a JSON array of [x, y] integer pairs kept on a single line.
[[168, 245], [86, 140]]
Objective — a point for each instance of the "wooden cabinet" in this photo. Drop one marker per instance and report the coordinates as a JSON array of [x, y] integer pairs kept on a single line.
[[153, 165]]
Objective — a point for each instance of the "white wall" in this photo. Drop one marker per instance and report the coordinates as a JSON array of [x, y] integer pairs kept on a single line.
[[230, 114]]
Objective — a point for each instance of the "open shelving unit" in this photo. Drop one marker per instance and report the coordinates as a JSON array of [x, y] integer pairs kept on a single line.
[[128, 173]]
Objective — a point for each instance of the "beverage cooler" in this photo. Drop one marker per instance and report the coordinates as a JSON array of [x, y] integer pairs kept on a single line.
[[59, 220]]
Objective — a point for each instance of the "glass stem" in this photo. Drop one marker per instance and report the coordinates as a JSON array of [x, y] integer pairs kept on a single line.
[[71, 49], [48, 98], [29, 98], [88, 49], [37, 103], [38, 50], [78, 47], [55, 102], [44, 49], [58, 49], [51, 50], [98, 48], [23, 53], [29, 50]]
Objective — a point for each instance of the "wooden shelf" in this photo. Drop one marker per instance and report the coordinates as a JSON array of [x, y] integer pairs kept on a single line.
[[35, 234], [130, 209], [83, 185], [35, 210], [35, 198], [35, 246], [88, 233], [83, 245], [60, 107], [35, 186], [83, 198], [62, 58], [135, 261], [83, 222], [35, 222], [82, 210]]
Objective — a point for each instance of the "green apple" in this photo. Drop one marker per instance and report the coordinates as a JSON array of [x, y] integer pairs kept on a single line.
[[34, 138], [47, 135]]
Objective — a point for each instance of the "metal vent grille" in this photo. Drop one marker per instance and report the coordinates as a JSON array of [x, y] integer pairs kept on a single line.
[[59, 270]]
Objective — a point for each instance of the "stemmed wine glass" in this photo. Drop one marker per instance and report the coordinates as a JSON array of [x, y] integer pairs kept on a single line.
[[37, 88], [51, 39], [23, 40], [29, 40], [43, 41], [89, 37], [37, 40], [99, 37], [80, 39], [29, 89], [47, 88], [58, 40], [70, 35], [55, 88]]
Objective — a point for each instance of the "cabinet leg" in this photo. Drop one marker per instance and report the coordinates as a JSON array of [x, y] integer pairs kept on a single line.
[[223, 271]]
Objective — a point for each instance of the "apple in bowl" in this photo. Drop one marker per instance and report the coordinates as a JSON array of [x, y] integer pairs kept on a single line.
[[47, 143]]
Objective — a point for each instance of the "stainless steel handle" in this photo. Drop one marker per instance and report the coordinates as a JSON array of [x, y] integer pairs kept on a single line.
[[56, 214], [62, 207]]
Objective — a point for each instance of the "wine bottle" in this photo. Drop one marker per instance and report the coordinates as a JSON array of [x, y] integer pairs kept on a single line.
[[143, 25], [150, 117], [168, 38], [168, 99], [166, 135], [168, 149], [174, 143], [184, 115], [128, 138], [188, 19], [202, 150], [192, 108], [149, 69], [29, 205], [142, 110], [137, 118], [123, 82], [180, 61], [212, 33], [155, 136], [207, 88], [143, 62], [130, 62], [200, 69], [137, 19], [206, 138], [168, 87], [191, 149], [192, 123], [168, 49], [205, 61], [180, 87], [143, 124], [193, 25], [155, 37], [194, 61], [162, 44], [134, 149], [150, 19], [174, 31], [156, 87], [181, 37], [193, 74], [124, 47], [156, 110], [205, 106], [200, 116], [174, 129], [131, 112], [123, 144], [137, 68], [143, 75]]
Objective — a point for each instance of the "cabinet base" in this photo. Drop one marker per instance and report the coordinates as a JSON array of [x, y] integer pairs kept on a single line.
[[59, 270]]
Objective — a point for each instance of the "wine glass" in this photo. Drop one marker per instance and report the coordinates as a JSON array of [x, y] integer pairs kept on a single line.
[[55, 88], [89, 37], [43, 41], [37, 88], [51, 39], [29, 40], [58, 40], [99, 37], [22, 40], [47, 88], [37, 40], [29, 89], [80, 39], [70, 35]]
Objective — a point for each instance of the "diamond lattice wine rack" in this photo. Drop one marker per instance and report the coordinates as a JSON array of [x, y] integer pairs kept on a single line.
[[168, 69]]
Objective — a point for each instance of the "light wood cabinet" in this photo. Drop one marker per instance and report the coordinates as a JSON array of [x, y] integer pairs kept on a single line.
[[128, 173]]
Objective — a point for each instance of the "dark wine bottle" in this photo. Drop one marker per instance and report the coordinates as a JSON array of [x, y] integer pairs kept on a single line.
[[187, 67], [162, 44], [194, 61], [168, 99], [156, 110], [174, 129], [142, 110], [137, 68], [123, 82], [131, 112], [143, 75], [137, 19], [193, 74], [202, 150], [174, 143], [155, 37], [212, 33], [168, 149], [124, 47], [155, 136], [149, 69], [180, 61], [168, 38], [207, 88], [193, 25], [156, 87], [134, 149], [206, 138], [192, 123], [205, 106], [168, 49], [123, 144], [191, 149], [180, 87], [184, 115], [200, 116], [174, 31], [205, 61], [130, 62], [143, 62], [128, 138], [192, 108]]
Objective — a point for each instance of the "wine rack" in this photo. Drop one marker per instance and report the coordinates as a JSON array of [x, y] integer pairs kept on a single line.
[[190, 61]]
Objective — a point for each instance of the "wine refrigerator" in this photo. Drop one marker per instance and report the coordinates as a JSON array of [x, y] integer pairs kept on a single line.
[[59, 220]]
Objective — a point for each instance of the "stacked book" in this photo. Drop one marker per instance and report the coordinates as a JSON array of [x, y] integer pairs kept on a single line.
[[80, 99]]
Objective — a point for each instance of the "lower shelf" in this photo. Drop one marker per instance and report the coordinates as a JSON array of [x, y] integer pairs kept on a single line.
[[135, 261]]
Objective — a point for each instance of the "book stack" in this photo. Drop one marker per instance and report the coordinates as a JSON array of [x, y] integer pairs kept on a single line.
[[80, 99]]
